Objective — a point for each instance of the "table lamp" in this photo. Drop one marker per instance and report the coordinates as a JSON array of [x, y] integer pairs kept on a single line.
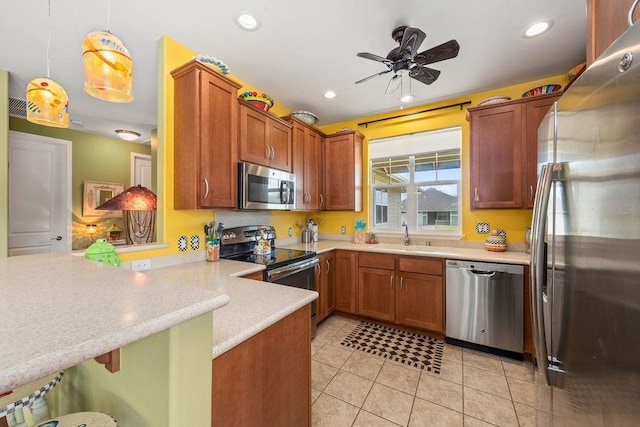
[[138, 205]]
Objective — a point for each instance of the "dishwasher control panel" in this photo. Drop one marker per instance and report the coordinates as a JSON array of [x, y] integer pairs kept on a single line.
[[485, 266]]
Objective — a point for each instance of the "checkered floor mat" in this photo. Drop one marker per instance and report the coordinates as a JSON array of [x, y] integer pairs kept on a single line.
[[410, 349]]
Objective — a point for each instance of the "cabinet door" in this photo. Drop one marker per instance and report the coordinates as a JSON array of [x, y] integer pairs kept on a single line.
[[254, 131], [279, 142], [343, 174], [219, 145], [535, 112], [420, 301], [375, 293], [496, 157], [346, 281], [321, 304], [329, 278], [312, 156], [606, 21], [298, 164]]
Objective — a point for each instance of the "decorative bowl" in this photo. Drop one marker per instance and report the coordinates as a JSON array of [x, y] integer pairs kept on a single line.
[[260, 100], [541, 90], [495, 247], [305, 116], [210, 60], [494, 100]]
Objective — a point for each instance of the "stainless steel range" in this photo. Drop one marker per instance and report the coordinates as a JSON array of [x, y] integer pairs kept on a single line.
[[288, 267]]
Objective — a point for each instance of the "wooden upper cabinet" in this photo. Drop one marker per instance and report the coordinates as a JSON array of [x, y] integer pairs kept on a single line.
[[496, 157], [535, 111], [504, 152], [307, 155], [264, 139], [606, 21], [205, 138], [342, 187]]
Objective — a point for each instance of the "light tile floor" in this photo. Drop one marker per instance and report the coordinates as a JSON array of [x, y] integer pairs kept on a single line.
[[353, 388]]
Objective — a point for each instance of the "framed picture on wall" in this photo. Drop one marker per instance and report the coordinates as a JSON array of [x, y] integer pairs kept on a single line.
[[95, 194]]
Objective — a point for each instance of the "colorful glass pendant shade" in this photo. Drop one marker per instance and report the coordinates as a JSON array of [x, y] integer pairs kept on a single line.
[[47, 103], [108, 67]]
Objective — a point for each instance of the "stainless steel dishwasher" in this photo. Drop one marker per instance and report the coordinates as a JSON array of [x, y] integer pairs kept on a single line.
[[484, 305]]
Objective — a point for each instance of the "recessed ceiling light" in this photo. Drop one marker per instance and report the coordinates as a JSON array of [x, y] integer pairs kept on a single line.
[[329, 94], [537, 28], [127, 135], [77, 123], [246, 20]]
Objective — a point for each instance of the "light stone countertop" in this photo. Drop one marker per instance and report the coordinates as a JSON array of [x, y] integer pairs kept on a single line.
[[448, 252], [253, 305], [59, 310]]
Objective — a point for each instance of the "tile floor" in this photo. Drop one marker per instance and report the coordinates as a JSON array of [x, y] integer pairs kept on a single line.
[[353, 388]]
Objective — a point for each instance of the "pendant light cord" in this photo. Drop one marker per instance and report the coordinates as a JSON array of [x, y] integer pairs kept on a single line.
[[108, 15], [48, 37]]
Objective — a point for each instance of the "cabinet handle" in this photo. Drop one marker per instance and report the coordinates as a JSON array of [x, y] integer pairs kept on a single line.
[[391, 282], [530, 192], [321, 200], [268, 155], [308, 198], [328, 265], [475, 194], [273, 153], [206, 188], [318, 268], [401, 282]]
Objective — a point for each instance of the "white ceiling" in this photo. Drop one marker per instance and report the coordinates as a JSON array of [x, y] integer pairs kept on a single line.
[[302, 49]]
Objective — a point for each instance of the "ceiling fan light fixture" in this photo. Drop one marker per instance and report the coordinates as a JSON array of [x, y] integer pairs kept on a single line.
[[127, 135], [329, 94], [246, 20], [537, 28]]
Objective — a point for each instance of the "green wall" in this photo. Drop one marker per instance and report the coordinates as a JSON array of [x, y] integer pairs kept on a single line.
[[4, 161], [95, 158]]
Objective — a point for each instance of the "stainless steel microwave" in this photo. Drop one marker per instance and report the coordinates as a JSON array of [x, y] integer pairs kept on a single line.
[[263, 188]]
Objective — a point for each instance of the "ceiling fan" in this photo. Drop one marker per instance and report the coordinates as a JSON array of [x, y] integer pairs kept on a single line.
[[405, 58]]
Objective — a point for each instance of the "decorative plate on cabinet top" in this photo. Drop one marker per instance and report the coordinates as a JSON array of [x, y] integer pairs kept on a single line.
[[494, 100], [541, 90], [210, 60], [306, 116]]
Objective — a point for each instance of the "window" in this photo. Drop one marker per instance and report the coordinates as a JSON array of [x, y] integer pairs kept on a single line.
[[416, 179]]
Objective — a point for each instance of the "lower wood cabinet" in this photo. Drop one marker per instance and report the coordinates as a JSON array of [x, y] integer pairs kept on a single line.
[[345, 281], [258, 275], [408, 291], [376, 293], [266, 380], [325, 275]]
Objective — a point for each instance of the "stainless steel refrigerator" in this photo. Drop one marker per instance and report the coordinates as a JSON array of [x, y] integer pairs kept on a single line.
[[585, 246]]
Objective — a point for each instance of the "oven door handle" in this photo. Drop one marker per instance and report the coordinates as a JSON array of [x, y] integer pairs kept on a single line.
[[287, 270]]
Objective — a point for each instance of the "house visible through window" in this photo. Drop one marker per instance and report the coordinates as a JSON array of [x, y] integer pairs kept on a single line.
[[416, 179]]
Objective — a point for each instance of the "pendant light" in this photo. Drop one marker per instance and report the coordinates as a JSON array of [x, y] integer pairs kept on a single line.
[[47, 101], [107, 65]]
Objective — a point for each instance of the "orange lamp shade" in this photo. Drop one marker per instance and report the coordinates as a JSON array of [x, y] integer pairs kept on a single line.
[[108, 67], [47, 103]]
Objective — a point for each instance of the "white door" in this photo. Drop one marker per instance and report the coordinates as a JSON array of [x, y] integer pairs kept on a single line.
[[39, 194], [141, 170]]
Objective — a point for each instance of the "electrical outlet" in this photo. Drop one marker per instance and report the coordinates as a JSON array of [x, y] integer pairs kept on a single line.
[[343, 230], [141, 265]]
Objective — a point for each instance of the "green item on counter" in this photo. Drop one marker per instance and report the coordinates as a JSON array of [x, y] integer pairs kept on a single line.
[[104, 252]]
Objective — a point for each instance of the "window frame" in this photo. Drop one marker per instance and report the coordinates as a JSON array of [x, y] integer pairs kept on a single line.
[[414, 220]]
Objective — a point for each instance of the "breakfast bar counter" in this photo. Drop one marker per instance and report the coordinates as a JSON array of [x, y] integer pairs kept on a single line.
[[60, 310]]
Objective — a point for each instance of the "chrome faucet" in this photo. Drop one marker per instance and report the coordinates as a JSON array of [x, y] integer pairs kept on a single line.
[[406, 234]]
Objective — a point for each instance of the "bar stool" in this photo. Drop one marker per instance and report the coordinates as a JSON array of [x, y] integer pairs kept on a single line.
[[14, 401], [88, 419]]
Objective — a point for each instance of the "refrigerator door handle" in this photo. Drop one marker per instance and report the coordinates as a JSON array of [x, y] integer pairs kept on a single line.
[[538, 267]]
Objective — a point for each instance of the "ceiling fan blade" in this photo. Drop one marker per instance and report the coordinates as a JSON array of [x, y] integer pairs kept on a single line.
[[439, 53], [411, 40], [375, 75], [394, 84], [373, 57], [423, 74]]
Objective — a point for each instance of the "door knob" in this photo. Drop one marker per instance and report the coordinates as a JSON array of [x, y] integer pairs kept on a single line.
[[57, 238]]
